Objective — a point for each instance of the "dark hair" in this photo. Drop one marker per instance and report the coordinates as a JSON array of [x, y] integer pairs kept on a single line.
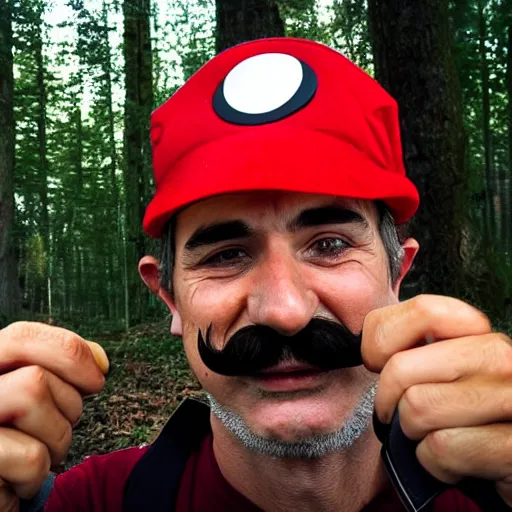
[[392, 237]]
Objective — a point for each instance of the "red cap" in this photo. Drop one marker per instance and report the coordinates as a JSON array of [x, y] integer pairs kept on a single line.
[[278, 114]]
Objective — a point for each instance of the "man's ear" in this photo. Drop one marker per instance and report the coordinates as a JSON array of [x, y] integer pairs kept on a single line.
[[150, 274], [411, 248]]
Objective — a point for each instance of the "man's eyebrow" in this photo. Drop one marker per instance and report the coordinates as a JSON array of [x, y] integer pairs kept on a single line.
[[323, 215], [218, 232]]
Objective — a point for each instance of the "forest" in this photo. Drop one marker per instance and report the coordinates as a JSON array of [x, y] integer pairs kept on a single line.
[[80, 78]]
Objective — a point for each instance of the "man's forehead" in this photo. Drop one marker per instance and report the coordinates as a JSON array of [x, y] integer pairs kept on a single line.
[[261, 207]]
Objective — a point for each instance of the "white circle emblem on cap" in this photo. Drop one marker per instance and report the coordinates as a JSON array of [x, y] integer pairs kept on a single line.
[[262, 83]]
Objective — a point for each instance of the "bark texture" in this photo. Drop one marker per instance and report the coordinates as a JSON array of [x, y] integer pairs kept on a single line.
[[137, 149], [244, 20], [508, 198], [9, 287], [413, 61]]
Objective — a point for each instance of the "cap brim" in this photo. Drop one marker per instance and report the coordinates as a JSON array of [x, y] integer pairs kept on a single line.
[[288, 160]]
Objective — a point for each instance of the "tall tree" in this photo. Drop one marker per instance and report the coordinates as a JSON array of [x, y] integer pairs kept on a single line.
[[95, 54], [350, 31], [137, 149], [9, 291], [490, 217], [301, 18], [480, 29], [413, 61], [45, 285], [508, 197], [243, 20], [31, 114]]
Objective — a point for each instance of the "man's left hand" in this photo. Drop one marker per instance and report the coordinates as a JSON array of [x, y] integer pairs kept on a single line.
[[454, 396]]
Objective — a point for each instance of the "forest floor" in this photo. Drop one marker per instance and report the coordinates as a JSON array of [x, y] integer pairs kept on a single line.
[[149, 376]]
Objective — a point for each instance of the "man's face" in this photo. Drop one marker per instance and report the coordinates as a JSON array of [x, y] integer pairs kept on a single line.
[[279, 259]]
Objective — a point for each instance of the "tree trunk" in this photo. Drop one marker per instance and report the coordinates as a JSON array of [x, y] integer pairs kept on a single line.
[[9, 287], [490, 211], [508, 198], [243, 20], [107, 68], [42, 291], [79, 289], [137, 149], [413, 61]]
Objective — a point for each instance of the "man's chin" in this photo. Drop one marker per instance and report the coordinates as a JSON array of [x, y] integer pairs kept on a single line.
[[303, 423], [297, 406], [293, 416]]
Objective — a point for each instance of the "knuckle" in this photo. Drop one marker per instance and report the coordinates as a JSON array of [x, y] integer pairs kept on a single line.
[[35, 384], [74, 348], [504, 340], [393, 375], [422, 305], [37, 460], [485, 322], [413, 412], [439, 445], [18, 329], [498, 349], [397, 366]]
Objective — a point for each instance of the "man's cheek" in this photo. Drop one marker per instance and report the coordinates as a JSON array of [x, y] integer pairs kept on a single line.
[[351, 297], [215, 303], [211, 295]]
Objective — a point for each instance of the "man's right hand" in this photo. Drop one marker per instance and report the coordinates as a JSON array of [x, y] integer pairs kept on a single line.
[[44, 373]]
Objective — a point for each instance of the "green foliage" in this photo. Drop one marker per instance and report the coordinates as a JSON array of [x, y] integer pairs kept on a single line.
[[349, 30], [183, 42], [302, 19], [468, 28], [69, 185], [36, 257]]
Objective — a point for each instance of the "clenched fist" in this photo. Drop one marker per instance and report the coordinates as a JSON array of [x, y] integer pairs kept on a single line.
[[453, 396], [44, 374]]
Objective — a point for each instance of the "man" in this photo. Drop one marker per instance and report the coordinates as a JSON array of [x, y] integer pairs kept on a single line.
[[279, 177]]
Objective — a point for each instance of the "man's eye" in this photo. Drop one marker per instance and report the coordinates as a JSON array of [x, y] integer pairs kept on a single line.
[[226, 257], [330, 247]]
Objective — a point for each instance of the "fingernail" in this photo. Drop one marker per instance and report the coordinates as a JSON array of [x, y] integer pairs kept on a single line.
[[100, 356]]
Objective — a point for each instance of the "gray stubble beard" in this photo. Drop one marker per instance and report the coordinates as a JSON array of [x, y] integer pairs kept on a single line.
[[311, 447]]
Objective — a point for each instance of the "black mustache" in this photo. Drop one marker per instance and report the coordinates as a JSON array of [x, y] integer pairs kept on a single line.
[[323, 344]]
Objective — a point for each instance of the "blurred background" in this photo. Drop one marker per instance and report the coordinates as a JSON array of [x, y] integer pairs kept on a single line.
[[86, 75]]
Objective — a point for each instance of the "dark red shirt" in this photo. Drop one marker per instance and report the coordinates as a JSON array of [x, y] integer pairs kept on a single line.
[[97, 485]]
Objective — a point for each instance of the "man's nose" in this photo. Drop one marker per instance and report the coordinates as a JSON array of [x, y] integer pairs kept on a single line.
[[281, 298]]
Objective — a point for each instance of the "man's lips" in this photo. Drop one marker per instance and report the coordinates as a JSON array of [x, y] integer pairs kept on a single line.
[[289, 377]]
